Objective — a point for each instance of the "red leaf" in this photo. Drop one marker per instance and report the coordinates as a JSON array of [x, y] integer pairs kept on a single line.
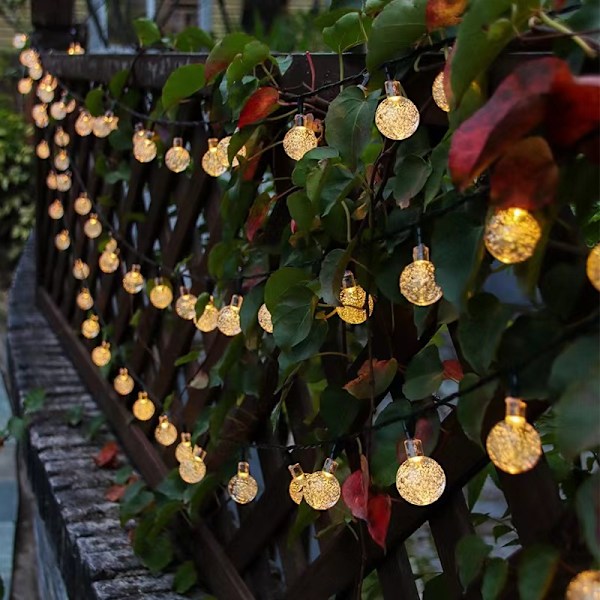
[[258, 215], [526, 176], [424, 431], [107, 457], [115, 492], [293, 226], [444, 13], [453, 370], [260, 105], [355, 490], [384, 372], [378, 519]]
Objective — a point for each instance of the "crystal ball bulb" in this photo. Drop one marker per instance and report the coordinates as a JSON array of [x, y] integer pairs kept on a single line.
[[161, 295], [42, 150], [104, 125], [19, 41], [298, 141], [36, 71], [223, 151], [177, 157], [108, 261], [145, 150], [207, 321], [52, 181], [397, 118], [417, 280], [193, 470], [353, 298], [56, 210], [58, 110], [133, 280], [165, 432], [184, 448], [592, 266], [143, 409], [84, 299], [84, 123], [439, 92], [242, 487], [24, 85], [101, 354], [511, 235], [264, 318], [322, 489], [29, 57], [61, 161], [123, 383], [211, 161], [90, 328], [82, 204], [584, 586], [45, 94], [185, 306], [62, 240], [63, 182], [81, 270], [61, 138], [228, 320]]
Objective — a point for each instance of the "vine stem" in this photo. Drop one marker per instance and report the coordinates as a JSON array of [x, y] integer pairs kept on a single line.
[[562, 28]]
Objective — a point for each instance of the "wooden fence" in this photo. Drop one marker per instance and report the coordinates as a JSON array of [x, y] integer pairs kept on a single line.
[[241, 553]]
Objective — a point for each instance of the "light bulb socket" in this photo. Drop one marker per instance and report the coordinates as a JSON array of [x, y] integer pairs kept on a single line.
[[413, 447], [329, 466], [183, 290], [177, 142], [199, 452], [143, 396], [186, 438], [299, 120], [420, 252], [515, 410], [348, 281], [236, 301], [213, 142], [296, 471], [393, 89], [243, 469]]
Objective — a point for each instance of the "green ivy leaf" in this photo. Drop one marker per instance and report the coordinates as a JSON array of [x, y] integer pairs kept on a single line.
[[16, 427], [307, 347], [349, 122], [494, 578], [250, 307], [253, 54], [301, 210], [187, 358], [411, 174], [182, 83], [472, 406], [575, 363], [338, 409], [118, 82], [279, 282], [185, 577], [203, 300], [147, 32], [224, 52], [134, 501], [293, 316], [424, 374], [587, 504], [351, 29], [308, 161], [34, 400], [193, 39], [471, 552], [395, 30], [332, 271], [94, 101], [328, 183], [439, 166], [536, 571]]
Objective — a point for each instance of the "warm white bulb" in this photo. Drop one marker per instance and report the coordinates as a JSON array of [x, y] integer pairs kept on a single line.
[[397, 118], [84, 299], [56, 210], [353, 299], [264, 319], [84, 123], [145, 150], [24, 85], [82, 204], [300, 138], [211, 161], [177, 157], [228, 320], [104, 125], [101, 354], [207, 321], [58, 110], [165, 432], [123, 383], [223, 151], [81, 270], [19, 40], [185, 306], [592, 266], [63, 182], [90, 328], [322, 489], [511, 235], [143, 409], [584, 586], [42, 150], [92, 227], [417, 280], [61, 137], [161, 294], [61, 161], [184, 448], [133, 280], [242, 486], [193, 470], [62, 240], [438, 92]]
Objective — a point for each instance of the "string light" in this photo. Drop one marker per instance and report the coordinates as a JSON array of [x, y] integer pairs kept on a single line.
[[143, 409], [228, 320], [56, 210], [297, 484], [211, 161], [101, 354], [42, 150], [165, 432], [322, 489], [353, 298], [92, 227], [161, 294], [438, 91], [511, 235], [84, 123], [264, 319], [24, 85], [104, 125], [185, 306], [223, 151], [592, 266], [81, 270], [62, 240], [61, 160], [75, 49], [63, 182], [417, 280], [177, 157], [19, 40], [513, 445], [145, 149], [193, 470], [301, 137], [397, 118], [109, 259], [420, 480], [58, 110], [207, 321], [51, 180], [133, 280], [82, 205], [242, 486], [29, 57], [584, 586], [44, 93], [36, 71], [184, 448], [90, 328], [61, 137], [84, 299], [123, 382], [39, 114]]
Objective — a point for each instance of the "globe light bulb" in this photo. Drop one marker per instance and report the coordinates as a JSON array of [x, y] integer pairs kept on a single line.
[[511, 235], [211, 161], [92, 227], [193, 470], [439, 92], [297, 483], [264, 319], [139, 134], [228, 320], [71, 106], [84, 123], [207, 321], [420, 480], [56, 210], [104, 125], [300, 138], [592, 266], [42, 122], [61, 137], [39, 114], [63, 182], [133, 280], [109, 260], [144, 151], [397, 118], [185, 306], [51, 180], [84, 299], [101, 354], [353, 298], [242, 487], [61, 161], [62, 240], [81, 270], [75, 49], [123, 383], [513, 445], [82, 204], [417, 280], [29, 57], [223, 150], [44, 93], [161, 294], [19, 40], [184, 448], [322, 489], [90, 328], [42, 150], [50, 81], [58, 110], [143, 408], [24, 85], [584, 586], [177, 157], [36, 71], [165, 432]]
